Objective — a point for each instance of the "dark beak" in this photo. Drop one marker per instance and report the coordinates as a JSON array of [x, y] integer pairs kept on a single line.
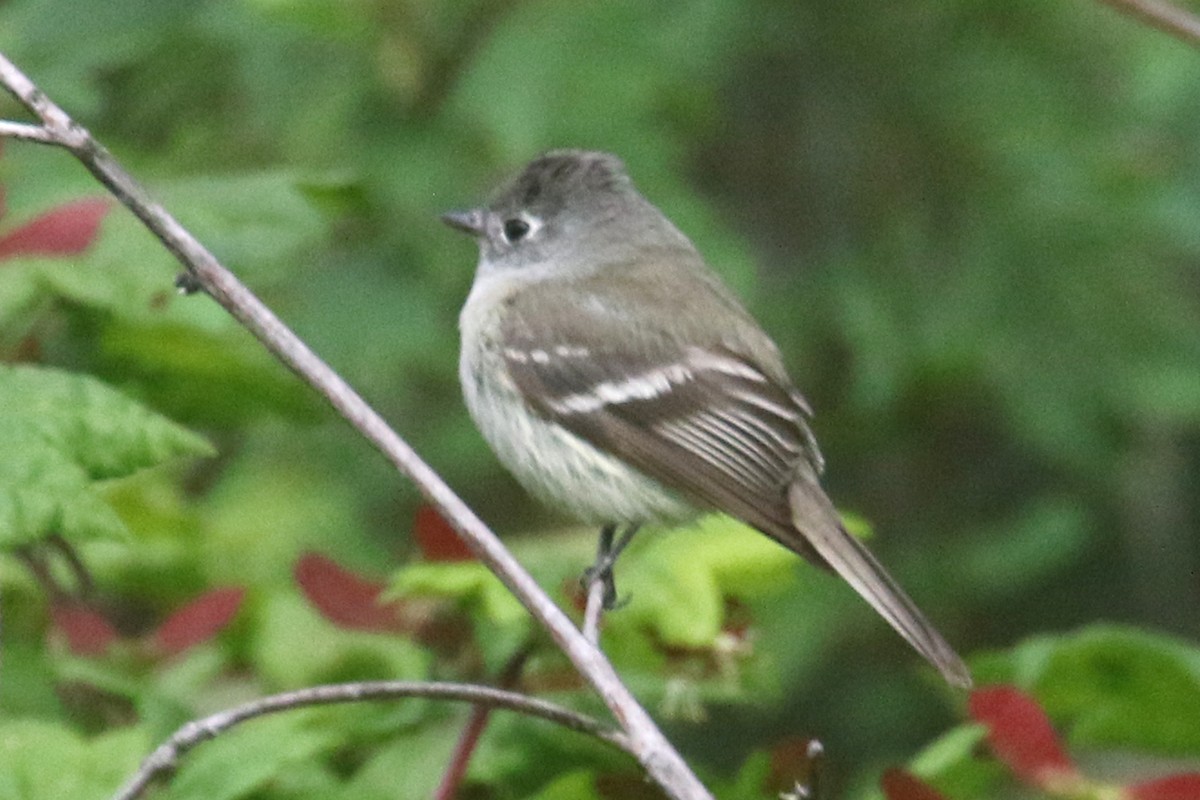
[[472, 221]]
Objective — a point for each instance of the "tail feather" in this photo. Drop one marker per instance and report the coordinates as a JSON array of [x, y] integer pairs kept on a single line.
[[816, 520]]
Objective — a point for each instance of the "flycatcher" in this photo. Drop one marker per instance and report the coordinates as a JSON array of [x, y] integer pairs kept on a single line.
[[619, 379]]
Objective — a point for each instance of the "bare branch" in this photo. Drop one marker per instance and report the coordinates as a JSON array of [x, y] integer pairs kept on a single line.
[[166, 757], [468, 740], [25, 132], [594, 609], [651, 748], [1164, 16]]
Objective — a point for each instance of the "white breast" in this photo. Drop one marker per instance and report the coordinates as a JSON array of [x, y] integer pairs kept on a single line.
[[551, 463]]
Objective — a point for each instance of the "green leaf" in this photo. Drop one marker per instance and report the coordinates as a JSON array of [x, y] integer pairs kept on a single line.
[[61, 433], [952, 761], [294, 647], [1125, 687], [1110, 686], [199, 376], [186, 354], [410, 767], [256, 224], [252, 756], [467, 581], [527, 754], [678, 582], [577, 785], [20, 293], [956, 745], [501, 620], [1106, 687], [44, 761]]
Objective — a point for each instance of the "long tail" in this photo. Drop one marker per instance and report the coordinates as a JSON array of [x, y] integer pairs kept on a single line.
[[817, 522]]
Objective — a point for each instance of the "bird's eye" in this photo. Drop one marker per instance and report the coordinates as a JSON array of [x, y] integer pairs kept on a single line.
[[515, 229]]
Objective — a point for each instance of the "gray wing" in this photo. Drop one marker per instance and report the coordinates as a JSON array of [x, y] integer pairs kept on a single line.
[[703, 417], [707, 420]]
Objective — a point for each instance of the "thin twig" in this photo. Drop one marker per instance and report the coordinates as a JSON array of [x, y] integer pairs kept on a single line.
[[1164, 16], [656, 755], [166, 757], [34, 559], [594, 609], [25, 132], [468, 740], [84, 585]]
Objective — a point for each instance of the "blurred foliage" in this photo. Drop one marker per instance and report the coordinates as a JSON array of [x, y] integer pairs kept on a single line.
[[970, 225], [1124, 702], [62, 434]]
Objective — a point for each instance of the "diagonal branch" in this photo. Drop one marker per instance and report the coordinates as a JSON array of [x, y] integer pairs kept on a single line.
[[1162, 15], [647, 743], [166, 757]]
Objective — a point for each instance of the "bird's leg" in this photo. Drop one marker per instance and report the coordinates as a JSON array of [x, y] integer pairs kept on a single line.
[[601, 569], [608, 550]]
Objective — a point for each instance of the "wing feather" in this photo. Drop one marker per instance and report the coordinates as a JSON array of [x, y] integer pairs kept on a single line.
[[710, 421]]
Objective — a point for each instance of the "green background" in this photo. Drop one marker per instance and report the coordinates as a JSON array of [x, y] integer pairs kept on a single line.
[[971, 226]]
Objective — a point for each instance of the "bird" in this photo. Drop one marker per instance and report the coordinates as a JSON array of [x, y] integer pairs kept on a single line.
[[619, 379]]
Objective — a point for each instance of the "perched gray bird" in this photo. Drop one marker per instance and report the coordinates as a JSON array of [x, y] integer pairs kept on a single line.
[[619, 379]]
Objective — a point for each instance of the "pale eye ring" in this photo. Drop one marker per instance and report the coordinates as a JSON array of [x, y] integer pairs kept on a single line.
[[516, 229]]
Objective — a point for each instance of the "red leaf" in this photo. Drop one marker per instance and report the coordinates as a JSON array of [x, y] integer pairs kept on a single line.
[[1175, 787], [437, 540], [88, 632], [1022, 737], [62, 231], [899, 784], [343, 598], [199, 621]]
